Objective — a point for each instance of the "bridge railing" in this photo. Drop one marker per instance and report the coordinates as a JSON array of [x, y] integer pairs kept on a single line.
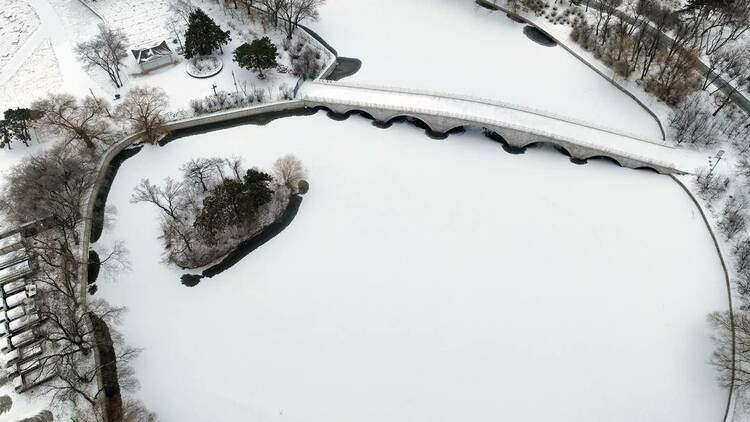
[[488, 101], [483, 122]]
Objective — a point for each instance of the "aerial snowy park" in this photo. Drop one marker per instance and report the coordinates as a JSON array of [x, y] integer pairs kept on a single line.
[[313, 210]]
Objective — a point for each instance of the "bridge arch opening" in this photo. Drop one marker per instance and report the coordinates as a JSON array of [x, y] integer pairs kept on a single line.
[[416, 121], [647, 168], [343, 116], [556, 147], [604, 158]]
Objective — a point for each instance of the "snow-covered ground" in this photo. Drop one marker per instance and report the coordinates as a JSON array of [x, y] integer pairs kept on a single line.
[[45, 62], [144, 20], [456, 46], [429, 280], [17, 21]]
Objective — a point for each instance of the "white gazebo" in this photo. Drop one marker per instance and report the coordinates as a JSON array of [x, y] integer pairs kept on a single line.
[[152, 54]]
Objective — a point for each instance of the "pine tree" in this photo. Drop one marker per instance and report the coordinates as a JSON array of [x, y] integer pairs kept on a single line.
[[18, 121], [258, 55], [6, 135], [203, 35]]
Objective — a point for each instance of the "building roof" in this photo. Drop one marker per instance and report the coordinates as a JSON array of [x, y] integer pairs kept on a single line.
[[150, 50]]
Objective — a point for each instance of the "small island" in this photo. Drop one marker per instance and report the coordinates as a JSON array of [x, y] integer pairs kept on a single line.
[[218, 205]]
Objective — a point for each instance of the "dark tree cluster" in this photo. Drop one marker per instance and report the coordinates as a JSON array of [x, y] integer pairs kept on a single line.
[[635, 44], [233, 203], [258, 55], [217, 205], [15, 127]]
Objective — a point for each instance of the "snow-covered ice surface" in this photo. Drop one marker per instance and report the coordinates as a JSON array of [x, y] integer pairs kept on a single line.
[[429, 280], [456, 46]]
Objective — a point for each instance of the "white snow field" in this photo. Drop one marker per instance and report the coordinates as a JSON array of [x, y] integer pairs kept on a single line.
[[17, 22], [456, 46], [429, 280]]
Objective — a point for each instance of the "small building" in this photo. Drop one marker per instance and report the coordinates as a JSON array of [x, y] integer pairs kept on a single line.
[[152, 54]]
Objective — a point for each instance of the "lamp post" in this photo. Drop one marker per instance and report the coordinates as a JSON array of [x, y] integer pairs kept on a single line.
[[718, 158]]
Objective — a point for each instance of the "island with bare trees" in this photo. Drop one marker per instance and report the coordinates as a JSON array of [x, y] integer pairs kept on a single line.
[[218, 205]]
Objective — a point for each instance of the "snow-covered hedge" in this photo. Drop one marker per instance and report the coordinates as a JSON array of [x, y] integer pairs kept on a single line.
[[224, 100], [204, 66]]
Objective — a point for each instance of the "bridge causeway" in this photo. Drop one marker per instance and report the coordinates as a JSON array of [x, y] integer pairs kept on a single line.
[[519, 126]]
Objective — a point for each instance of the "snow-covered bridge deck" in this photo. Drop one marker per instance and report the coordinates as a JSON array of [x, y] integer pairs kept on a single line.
[[519, 126]]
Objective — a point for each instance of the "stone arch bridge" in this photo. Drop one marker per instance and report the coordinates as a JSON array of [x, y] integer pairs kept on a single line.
[[518, 126]]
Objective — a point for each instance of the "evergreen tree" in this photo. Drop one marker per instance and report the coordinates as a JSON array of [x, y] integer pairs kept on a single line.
[[6, 135], [15, 127], [258, 55], [203, 35], [18, 120]]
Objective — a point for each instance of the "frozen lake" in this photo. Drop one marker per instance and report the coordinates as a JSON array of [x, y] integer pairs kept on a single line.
[[458, 47], [429, 280]]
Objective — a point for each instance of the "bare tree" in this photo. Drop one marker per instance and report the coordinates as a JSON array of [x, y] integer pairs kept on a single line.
[[200, 173], [176, 25], [273, 9], [64, 115], [167, 199], [105, 51], [306, 66], [732, 220], [711, 186], [53, 183], [182, 9], [296, 11], [172, 201], [236, 167], [72, 364], [70, 337], [144, 108], [691, 121], [731, 356], [717, 23], [728, 61], [289, 171]]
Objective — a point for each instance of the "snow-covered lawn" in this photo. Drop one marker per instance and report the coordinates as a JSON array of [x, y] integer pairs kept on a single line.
[[37, 76], [456, 46], [46, 63], [429, 280], [141, 20], [144, 20], [17, 21]]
